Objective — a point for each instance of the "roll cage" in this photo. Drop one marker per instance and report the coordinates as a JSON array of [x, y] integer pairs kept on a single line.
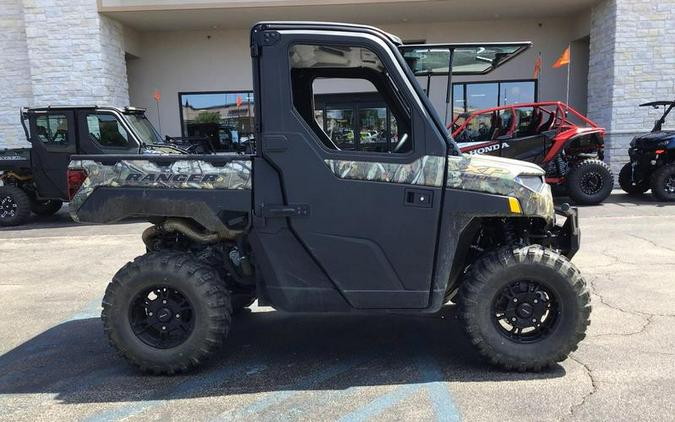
[[667, 107], [559, 120]]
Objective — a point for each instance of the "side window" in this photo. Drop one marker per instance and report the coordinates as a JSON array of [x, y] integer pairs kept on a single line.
[[52, 129], [346, 97], [106, 130]]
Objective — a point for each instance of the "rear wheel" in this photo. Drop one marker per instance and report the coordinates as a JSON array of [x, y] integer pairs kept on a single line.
[[590, 182], [663, 183], [524, 308], [166, 312], [45, 208], [14, 206], [628, 185]]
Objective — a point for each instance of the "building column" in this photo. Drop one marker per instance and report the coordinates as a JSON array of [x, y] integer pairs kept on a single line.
[[632, 61]]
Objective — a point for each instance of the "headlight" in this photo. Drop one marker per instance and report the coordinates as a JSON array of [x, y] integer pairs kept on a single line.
[[531, 182]]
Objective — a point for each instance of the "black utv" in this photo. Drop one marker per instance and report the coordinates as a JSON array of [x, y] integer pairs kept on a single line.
[[306, 225], [652, 159], [34, 179]]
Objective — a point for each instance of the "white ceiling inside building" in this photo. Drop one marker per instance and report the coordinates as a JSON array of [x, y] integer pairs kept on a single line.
[[151, 15]]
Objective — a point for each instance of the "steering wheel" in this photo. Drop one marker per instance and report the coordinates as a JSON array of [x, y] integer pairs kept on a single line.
[[401, 143]]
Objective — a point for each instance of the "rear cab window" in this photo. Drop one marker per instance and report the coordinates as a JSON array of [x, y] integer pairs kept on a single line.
[[106, 130], [52, 129]]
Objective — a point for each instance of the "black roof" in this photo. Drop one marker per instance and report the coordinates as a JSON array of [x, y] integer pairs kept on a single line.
[[657, 103], [83, 107], [335, 26]]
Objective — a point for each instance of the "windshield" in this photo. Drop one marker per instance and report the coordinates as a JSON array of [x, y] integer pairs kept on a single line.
[[467, 59], [144, 129]]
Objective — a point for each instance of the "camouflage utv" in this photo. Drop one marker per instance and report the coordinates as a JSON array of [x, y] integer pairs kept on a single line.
[[306, 225]]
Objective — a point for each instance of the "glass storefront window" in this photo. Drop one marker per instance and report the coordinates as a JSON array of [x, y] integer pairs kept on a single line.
[[472, 96], [225, 119], [516, 92], [481, 96]]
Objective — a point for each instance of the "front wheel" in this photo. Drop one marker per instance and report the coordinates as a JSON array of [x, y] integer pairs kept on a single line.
[[627, 183], [663, 183], [524, 308], [590, 182], [166, 312], [14, 206]]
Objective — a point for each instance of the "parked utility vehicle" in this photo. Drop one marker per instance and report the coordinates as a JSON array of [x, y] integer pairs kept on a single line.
[[34, 179], [305, 226], [551, 134], [652, 159]]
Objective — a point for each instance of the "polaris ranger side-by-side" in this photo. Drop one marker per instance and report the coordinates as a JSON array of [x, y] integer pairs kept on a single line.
[[306, 226], [652, 159], [34, 179]]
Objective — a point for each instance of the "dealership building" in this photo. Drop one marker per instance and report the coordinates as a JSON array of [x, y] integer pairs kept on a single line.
[[188, 62]]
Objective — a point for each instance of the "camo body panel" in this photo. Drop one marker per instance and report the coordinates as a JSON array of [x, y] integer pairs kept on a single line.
[[495, 175], [479, 173], [15, 154], [233, 175], [426, 171]]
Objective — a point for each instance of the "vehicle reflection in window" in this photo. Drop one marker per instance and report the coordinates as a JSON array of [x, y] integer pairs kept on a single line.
[[339, 127], [222, 121]]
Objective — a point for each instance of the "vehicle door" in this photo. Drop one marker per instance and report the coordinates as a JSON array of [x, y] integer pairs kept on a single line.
[[52, 135], [367, 219], [104, 132]]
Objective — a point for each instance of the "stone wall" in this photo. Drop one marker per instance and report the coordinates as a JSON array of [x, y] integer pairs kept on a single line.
[[72, 54], [632, 62], [15, 73]]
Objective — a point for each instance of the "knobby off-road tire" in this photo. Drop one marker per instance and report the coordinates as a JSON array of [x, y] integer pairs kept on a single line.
[[14, 206], [663, 183], [45, 208], [154, 290], [626, 182], [590, 182], [506, 270]]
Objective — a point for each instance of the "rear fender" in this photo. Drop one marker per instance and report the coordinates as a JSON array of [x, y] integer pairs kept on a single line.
[[574, 142]]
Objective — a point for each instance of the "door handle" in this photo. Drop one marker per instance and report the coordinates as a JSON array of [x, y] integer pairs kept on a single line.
[[419, 198]]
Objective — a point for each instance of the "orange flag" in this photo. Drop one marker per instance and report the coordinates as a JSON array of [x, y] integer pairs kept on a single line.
[[537, 68], [563, 59], [156, 95]]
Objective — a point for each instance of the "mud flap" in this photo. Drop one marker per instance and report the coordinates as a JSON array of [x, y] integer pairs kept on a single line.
[[567, 237]]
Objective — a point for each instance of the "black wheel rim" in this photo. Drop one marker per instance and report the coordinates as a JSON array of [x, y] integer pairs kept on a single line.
[[161, 317], [7, 207], [592, 183], [525, 311], [669, 185]]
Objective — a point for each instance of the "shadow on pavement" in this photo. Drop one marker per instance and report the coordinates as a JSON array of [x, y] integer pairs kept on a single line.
[[266, 352], [620, 198], [58, 220]]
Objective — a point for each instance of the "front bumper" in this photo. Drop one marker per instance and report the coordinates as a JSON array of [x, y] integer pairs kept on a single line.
[[566, 237]]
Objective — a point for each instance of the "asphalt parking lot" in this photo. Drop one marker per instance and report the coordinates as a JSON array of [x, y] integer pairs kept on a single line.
[[56, 365]]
